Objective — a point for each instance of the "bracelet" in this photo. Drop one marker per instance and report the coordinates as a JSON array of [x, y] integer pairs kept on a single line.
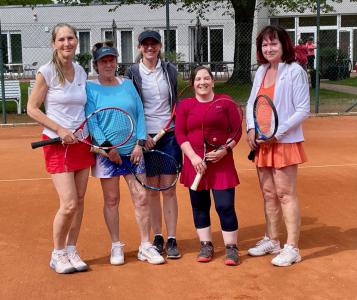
[[229, 149]]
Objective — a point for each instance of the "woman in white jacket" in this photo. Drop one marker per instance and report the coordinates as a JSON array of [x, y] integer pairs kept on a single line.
[[277, 159]]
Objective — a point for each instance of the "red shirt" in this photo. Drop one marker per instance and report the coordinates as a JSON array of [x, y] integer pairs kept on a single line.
[[310, 49], [301, 54], [189, 116]]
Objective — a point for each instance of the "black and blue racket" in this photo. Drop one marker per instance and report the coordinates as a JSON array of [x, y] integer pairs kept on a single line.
[[265, 120]]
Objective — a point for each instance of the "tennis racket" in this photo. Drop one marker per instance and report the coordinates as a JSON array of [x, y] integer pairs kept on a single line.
[[265, 120], [170, 125], [221, 124], [162, 169], [99, 124]]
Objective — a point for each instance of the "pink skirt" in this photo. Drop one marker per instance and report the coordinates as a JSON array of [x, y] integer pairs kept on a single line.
[[279, 155]]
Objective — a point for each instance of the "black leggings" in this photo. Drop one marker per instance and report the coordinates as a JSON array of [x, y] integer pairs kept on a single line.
[[224, 202]]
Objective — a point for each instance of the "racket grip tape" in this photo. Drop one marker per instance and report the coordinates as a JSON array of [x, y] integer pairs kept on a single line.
[[159, 135], [38, 144], [98, 151], [196, 182], [251, 155]]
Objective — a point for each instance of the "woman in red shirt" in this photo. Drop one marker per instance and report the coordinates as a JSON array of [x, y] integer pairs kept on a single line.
[[310, 52], [301, 54], [220, 177]]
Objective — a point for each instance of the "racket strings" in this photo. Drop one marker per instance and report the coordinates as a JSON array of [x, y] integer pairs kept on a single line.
[[265, 117], [222, 122], [116, 125], [161, 170]]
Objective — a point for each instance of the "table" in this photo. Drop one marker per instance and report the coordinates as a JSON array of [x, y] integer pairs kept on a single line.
[[14, 70]]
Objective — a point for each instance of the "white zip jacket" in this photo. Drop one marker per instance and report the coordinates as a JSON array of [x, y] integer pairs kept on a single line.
[[291, 99]]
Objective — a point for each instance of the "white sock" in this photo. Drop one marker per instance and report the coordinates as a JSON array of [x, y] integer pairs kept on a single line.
[[70, 248], [116, 244], [171, 237], [146, 245], [59, 251]]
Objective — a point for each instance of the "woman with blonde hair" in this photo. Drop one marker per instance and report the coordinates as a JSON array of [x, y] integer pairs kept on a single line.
[[60, 86]]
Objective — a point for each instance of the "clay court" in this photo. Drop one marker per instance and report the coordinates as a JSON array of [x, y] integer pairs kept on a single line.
[[327, 189]]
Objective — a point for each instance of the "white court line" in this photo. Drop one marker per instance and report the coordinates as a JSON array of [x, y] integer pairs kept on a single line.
[[239, 170], [309, 167]]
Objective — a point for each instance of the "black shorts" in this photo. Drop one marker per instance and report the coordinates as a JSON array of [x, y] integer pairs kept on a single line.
[[169, 145]]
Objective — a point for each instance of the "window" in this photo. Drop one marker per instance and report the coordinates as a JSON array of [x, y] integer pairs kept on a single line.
[[84, 45], [210, 41], [108, 35], [345, 42], [172, 41], [324, 21], [84, 42], [124, 44], [349, 21], [12, 47], [291, 34], [328, 39], [287, 23]]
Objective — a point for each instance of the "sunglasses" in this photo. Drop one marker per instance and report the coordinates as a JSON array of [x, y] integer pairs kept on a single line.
[[103, 44]]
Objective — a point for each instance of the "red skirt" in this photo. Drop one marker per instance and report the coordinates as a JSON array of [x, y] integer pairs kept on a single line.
[[279, 155], [60, 158]]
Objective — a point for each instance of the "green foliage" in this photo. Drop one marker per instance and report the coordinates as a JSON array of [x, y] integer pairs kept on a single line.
[[174, 57], [83, 59]]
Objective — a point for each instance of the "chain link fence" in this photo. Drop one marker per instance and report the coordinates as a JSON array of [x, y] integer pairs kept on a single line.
[[213, 41]]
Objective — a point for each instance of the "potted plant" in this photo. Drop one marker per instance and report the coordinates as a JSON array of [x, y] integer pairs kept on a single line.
[[84, 60]]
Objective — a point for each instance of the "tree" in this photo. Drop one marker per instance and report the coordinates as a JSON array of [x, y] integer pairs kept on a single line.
[[241, 10]]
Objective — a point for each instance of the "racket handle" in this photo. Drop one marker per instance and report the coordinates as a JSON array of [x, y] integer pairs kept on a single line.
[[35, 145], [98, 151], [196, 182], [159, 135], [251, 155]]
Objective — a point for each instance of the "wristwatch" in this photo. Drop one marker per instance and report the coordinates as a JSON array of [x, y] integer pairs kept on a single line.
[[141, 143], [229, 149]]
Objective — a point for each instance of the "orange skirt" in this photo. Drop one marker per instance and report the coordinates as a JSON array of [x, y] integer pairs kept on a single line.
[[280, 155]]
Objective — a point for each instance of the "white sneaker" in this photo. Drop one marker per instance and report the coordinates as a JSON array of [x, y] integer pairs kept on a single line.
[[287, 256], [76, 261], [117, 254], [151, 255], [61, 264], [265, 246]]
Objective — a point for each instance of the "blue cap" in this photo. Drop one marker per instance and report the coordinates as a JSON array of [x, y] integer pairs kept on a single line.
[[149, 34], [104, 51]]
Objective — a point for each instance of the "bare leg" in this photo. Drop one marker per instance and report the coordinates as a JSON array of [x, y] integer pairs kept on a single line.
[[81, 180], [285, 183], [155, 210], [272, 208], [142, 208], [67, 192], [110, 187], [170, 210]]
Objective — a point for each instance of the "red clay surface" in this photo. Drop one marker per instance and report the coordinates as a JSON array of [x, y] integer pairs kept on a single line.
[[327, 188]]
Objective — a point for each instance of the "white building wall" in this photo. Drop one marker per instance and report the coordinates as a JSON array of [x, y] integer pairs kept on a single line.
[[36, 32]]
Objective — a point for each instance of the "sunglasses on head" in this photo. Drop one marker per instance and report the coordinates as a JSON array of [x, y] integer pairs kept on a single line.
[[103, 44]]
